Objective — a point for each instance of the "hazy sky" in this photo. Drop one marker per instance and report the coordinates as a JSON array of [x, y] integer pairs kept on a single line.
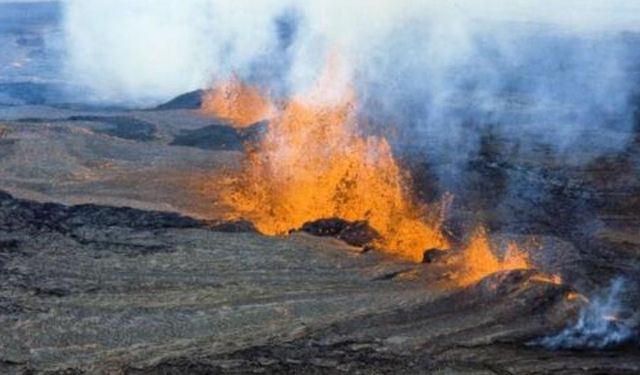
[[159, 48]]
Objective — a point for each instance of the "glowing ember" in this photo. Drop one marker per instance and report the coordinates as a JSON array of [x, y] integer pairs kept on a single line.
[[314, 164], [479, 259], [239, 104], [549, 279], [572, 296]]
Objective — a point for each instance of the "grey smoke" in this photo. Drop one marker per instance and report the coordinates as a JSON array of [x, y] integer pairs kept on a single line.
[[534, 83], [143, 52], [562, 75], [143, 48], [604, 323]]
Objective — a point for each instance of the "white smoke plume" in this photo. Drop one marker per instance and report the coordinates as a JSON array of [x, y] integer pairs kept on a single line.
[[557, 73], [146, 51], [153, 49], [603, 323]]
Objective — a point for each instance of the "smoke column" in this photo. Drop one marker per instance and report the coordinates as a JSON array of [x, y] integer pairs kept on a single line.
[[554, 73]]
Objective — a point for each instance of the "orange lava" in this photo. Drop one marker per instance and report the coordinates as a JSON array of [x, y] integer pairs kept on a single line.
[[479, 259], [573, 296], [549, 279], [237, 103], [313, 163]]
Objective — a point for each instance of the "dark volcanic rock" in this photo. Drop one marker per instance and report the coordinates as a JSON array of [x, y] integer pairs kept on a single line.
[[190, 100], [120, 126], [15, 213], [219, 137], [357, 233], [212, 137], [433, 255], [296, 358], [123, 127], [9, 245], [239, 226], [125, 216]]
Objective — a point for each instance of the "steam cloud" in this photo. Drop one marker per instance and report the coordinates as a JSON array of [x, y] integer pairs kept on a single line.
[[602, 324], [554, 73]]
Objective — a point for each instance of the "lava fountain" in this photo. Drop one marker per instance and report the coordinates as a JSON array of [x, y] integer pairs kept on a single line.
[[314, 162], [479, 258], [237, 103]]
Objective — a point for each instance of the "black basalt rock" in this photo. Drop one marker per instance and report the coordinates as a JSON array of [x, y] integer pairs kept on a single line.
[[356, 233]]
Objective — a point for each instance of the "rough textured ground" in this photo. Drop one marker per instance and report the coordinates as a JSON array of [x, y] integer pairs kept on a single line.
[[101, 289], [97, 288]]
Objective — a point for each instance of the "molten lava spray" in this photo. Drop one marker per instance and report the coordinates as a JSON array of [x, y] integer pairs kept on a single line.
[[480, 260], [313, 163], [237, 103]]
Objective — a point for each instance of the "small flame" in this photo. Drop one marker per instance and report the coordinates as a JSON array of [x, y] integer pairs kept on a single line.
[[573, 296], [313, 163], [549, 279], [479, 259], [239, 104]]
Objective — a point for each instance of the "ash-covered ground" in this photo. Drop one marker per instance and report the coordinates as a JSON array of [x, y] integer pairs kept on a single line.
[[114, 260]]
